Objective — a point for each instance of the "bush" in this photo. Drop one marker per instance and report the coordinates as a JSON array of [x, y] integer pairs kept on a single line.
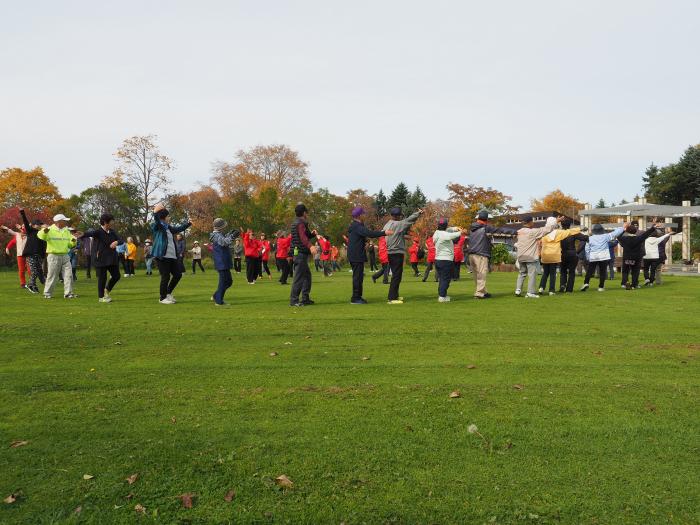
[[501, 254], [677, 251]]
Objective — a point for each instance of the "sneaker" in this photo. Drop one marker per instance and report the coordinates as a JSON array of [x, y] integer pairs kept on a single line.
[[32, 290], [601, 289], [518, 292], [47, 296], [540, 290], [442, 299], [296, 304], [646, 282], [487, 295], [308, 302], [562, 289], [584, 287], [358, 301], [253, 282], [532, 296], [374, 280], [552, 293], [221, 304], [172, 299], [625, 286], [395, 301], [105, 299], [166, 301], [70, 296], [126, 276]]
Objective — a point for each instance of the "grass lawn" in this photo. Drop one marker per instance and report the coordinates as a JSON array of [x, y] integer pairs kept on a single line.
[[588, 405]]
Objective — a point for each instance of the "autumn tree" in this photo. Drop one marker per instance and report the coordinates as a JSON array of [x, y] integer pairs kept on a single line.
[[276, 166], [141, 163], [557, 200], [469, 200], [30, 189], [201, 206], [121, 200], [432, 211], [360, 197]]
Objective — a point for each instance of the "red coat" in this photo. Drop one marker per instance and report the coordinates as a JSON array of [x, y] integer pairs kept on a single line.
[[430, 245], [413, 252], [325, 245], [283, 244], [459, 250], [265, 249], [383, 252], [251, 247]]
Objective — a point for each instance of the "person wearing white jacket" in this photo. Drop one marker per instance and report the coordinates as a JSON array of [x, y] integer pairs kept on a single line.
[[598, 253], [444, 256], [652, 257]]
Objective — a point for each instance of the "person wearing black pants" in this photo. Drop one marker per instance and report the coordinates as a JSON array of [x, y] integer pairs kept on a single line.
[[396, 247], [567, 273], [602, 267], [396, 267], [301, 246], [283, 265], [165, 250], [104, 288], [105, 241], [444, 270], [549, 271], [170, 275], [251, 268], [372, 255], [357, 254]]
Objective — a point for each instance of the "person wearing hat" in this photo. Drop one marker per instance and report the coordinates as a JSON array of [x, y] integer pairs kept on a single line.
[[105, 241], [598, 254], [34, 251], [59, 242], [196, 252], [396, 247], [357, 237], [444, 240], [165, 251], [223, 261], [480, 247], [301, 248], [148, 256]]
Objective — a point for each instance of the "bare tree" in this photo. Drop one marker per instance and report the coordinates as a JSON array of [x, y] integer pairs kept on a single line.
[[140, 162]]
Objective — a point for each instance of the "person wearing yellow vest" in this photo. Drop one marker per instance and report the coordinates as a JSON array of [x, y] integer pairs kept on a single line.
[[59, 242]]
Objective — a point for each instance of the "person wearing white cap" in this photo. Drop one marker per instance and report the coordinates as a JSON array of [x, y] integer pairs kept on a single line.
[[59, 242]]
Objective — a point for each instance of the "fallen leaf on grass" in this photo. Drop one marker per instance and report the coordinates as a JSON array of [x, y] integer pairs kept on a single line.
[[18, 443], [173, 420], [284, 482], [365, 358], [78, 509], [132, 479], [273, 354], [455, 394], [288, 342], [471, 367], [187, 500], [650, 407], [88, 476], [230, 495], [518, 387], [10, 499], [140, 508], [130, 495], [117, 342]]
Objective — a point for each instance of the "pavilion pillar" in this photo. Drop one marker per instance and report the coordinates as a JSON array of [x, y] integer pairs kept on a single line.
[[686, 235], [585, 220], [669, 244]]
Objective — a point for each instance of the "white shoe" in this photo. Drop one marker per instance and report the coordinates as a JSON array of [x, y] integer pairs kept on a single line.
[[166, 301], [540, 290], [531, 296], [126, 276], [584, 288], [447, 298], [442, 299], [170, 296], [601, 289], [105, 299], [552, 293], [518, 292]]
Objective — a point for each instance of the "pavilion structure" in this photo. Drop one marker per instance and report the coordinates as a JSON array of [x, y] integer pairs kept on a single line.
[[645, 212]]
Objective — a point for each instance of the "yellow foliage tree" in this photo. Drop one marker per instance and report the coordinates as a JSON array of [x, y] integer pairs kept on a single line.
[[469, 200], [557, 200], [30, 189]]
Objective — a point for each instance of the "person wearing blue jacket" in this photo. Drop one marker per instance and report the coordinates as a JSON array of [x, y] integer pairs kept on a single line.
[[358, 234], [165, 251], [598, 254], [223, 261]]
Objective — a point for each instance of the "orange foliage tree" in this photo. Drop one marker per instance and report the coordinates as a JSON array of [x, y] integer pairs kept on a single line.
[[469, 200], [30, 189], [557, 200]]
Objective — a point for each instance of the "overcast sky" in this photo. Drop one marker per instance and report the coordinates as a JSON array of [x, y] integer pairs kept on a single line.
[[520, 96]]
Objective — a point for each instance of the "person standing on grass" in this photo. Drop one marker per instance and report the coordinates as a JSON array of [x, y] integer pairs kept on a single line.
[[396, 248], [223, 262], [662, 259], [430, 258], [165, 251], [237, 255], [444, 240], [526, 247], [335, 263], [181, 250], [73, 255], [611, 265], [59, 241], [551, 254], [87, 254], [196, 252], [19, 242], [651, 255], [148, 256], [480, 247], [251, 248], [569, 257], [302, 248], [413, 258], [372, 257], [598, 254], [104, 242], [325, 246], [384, 261], [358, 234], [34, 251], [282, 256], [632, 243], [459, 256], [130, 256], [265, 250]]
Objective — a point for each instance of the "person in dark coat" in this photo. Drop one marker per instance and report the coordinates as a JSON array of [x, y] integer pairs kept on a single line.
[[632, 243], [569, 258], [357, 253], [34, 251], [105, 259], [223, 261], [301, 248]]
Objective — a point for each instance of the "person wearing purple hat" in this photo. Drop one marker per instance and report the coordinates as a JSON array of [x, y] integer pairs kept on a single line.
[[358, 234]]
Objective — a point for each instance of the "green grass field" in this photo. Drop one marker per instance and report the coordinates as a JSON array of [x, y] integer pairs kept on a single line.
[[587, 405]]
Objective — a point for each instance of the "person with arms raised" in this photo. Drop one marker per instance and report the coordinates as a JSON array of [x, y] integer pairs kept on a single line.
[[165, 251], [105, 260], [396, 248]]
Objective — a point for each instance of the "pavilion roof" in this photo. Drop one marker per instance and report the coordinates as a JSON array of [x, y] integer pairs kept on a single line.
[[635, 209]]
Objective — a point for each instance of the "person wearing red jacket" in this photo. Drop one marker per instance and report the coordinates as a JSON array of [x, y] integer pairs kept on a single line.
[[459, 257], [264, 256], [384, 261], [325, 245], [430, 258], [282, 256], [251, 250], [413, 257], [18, 242]]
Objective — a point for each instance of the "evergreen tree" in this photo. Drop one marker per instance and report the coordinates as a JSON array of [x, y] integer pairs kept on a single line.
[[417, 200], [381, 203], [399, 197], [601, 204]]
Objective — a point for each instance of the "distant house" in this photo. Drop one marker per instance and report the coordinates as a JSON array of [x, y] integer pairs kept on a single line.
[[516, 222]]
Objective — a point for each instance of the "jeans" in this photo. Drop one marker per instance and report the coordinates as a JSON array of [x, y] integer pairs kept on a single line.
[[549, 271], [301, 284], [527, 269], [225, 282], [568, 273], [396, 265], [170, 275], [102, 284], [326, 265], [57, 264], [602, 267], [611, 269], [149, 266], [445, 271]]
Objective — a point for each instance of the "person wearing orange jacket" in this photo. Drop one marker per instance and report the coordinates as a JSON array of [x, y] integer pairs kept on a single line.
[[335, 265], [430, 258], [264, 256], [413, 256], [251, 250], [459, 257], [325, 245], [283, 257], [383, 260]]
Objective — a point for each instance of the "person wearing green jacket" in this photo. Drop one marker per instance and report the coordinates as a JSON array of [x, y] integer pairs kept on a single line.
[[59, 242]]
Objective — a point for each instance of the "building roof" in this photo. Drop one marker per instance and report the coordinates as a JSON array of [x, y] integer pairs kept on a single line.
[[636, 209]]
